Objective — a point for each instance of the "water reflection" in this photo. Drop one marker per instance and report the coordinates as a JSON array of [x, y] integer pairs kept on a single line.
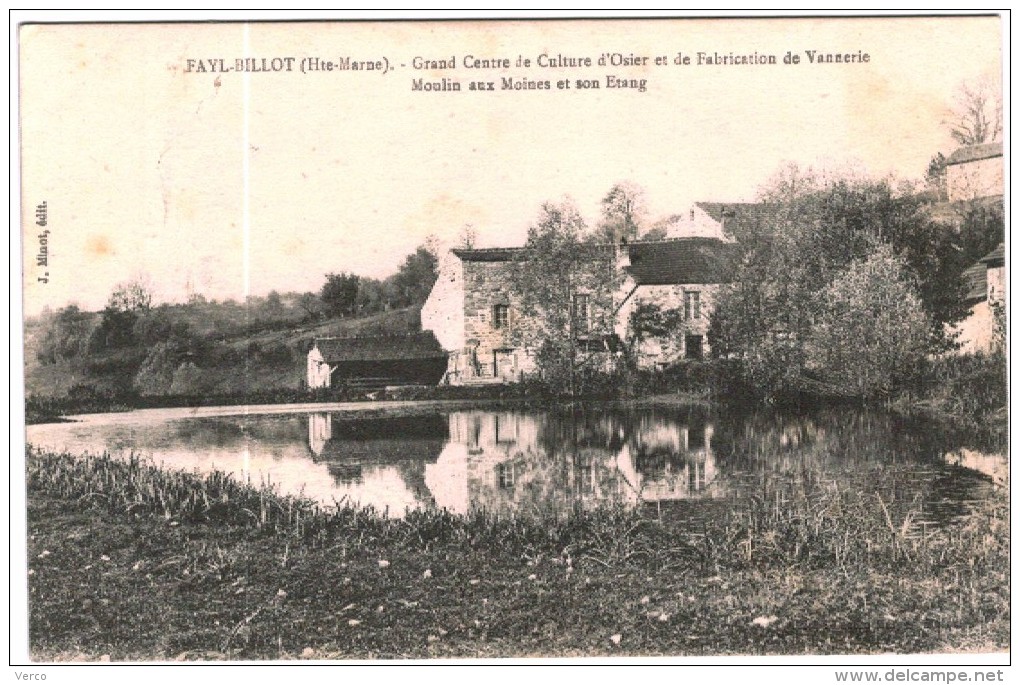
[[553, 462]]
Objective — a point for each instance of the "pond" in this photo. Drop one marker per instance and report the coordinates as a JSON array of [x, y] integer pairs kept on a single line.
[[689, 461]]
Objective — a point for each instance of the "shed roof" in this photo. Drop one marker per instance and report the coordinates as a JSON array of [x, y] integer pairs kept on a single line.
[[973, 153], [682, 260], [996, 257], [976, 282], [380, 348]]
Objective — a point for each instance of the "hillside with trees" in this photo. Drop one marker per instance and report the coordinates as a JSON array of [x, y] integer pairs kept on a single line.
[[135, 347]]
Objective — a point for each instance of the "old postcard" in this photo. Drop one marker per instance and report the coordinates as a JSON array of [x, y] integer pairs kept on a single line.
[[477, 339]]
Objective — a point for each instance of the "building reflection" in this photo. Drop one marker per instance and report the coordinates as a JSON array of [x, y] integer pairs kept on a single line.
[[991, 465], [378, 461], [506, 462]]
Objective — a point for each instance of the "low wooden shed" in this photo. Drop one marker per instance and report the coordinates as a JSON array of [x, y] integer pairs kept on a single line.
[[376, 361]]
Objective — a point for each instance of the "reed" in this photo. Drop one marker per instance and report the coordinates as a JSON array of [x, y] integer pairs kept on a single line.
[[797, 519], [133, 562]]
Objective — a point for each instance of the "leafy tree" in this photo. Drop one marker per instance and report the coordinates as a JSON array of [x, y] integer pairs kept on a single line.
[[274, 305], [311, 305], [657, 231], [339, 293], [623, 213], [129, 301], [66, 336], [134, 295], [651, 321], [153, 327], [935, 177], [414, 280], [565, 289], [870, 332], [374, 296], [819, 227]]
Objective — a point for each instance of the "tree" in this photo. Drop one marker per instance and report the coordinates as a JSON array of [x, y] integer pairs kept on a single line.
[[153, 327], [870, 332], [565, 290], [311, 305], [339, 294], [274, 305], [935, 177], [816, 230], [414, 280], [623, 213], [134, 295], [66, 335], [468, 236], [129, 301], [976, 114]]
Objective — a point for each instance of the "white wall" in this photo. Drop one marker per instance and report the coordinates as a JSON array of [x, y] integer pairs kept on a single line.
[[317, 370], [443, 311]]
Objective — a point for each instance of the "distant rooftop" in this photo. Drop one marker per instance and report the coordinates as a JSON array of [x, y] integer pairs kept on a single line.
[[973, 153], [996, 257], [672, 261], [488, 254], [682, 261], [737, 218]]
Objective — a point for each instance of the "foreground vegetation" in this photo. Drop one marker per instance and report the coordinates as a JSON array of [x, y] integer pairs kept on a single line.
[[128, 561]]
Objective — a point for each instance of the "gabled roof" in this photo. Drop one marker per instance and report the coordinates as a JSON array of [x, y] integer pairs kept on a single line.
[[996, 257], [682, 260], [975, 280], [737, 217], [380, 348], [509, 254], [973, 153], [657, 262], [490, 254]]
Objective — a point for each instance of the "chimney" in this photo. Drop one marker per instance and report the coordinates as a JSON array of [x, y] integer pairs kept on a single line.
[[622, 254]]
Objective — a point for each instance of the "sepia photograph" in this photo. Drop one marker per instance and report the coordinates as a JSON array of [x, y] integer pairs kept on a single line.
[[513, 340]]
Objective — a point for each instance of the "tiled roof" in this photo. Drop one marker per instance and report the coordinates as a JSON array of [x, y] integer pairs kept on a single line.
[[738, 217], [976, 282], [996, 257], [658, 262], [380, 348], [682, 260], [490, 254], [973, 153]]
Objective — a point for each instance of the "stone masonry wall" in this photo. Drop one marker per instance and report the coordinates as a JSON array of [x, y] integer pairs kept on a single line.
[[672, 297]]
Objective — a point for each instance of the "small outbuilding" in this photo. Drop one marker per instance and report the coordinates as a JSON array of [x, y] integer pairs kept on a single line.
[[986, 291], [376, 361]]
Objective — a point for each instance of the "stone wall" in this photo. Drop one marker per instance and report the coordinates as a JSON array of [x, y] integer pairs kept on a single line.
[[971, 180], [490, 349], [663, 351]]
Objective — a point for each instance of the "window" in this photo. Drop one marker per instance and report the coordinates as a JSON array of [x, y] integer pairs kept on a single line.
[[695, 346], [692, 305], [580, 313], [506, 476], [500, 316]]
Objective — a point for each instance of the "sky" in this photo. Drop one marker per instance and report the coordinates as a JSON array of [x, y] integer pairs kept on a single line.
[[232, 183]]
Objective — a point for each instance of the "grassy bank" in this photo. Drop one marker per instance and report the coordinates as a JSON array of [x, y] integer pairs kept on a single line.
[[967, 392], [132, 562]]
